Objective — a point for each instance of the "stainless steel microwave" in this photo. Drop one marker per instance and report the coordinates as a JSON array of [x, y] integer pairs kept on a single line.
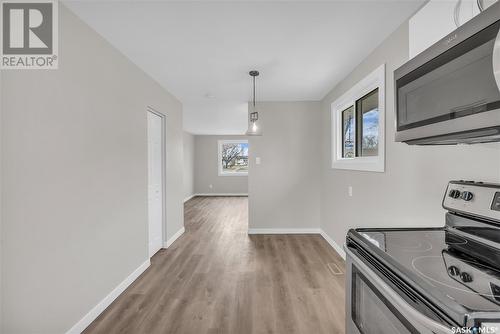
[[450, 93]]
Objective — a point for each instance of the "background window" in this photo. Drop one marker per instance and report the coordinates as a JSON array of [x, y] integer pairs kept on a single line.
[[233, 157]]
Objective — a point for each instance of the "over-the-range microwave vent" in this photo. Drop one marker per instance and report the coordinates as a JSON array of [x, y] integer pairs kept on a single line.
[[478, 136], [450, 93]]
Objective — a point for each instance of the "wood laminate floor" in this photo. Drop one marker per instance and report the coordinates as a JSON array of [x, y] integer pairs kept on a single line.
[[217, 279]]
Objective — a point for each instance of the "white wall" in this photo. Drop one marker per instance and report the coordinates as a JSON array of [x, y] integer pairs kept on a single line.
[[206, 170], [284, 188], [409, 193], [1, 214], [175, 154], [188, 165], [74, 180]]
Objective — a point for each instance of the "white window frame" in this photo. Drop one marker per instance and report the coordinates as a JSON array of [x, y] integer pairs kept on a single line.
[[219, 157], [374, 80]]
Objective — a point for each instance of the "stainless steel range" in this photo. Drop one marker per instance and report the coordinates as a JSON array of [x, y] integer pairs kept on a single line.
[[429, 280]]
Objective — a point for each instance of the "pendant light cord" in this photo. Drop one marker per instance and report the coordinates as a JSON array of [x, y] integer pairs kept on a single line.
[[254, 92]]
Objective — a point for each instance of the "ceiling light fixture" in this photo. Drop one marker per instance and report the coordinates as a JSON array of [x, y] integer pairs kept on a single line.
[[253, 127]]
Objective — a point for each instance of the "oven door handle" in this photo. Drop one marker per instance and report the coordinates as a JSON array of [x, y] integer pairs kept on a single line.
[[401, 305]]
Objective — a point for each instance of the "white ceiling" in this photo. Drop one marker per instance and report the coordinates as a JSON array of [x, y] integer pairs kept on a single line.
[[202, 51]]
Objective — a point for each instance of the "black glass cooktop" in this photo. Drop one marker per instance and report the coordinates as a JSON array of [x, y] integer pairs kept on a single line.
[[443, 265]]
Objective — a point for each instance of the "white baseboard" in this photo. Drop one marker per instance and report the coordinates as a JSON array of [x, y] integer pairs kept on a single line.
[[332, 243], [284, 231], [189, 197], [222, 194], [103, 304], [174, 237]]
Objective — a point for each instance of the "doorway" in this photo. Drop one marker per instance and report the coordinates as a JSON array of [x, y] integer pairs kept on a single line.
[[156, 179]]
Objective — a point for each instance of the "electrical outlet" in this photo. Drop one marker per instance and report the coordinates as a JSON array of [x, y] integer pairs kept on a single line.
[[210, 186], [257, 160], [349, 191]]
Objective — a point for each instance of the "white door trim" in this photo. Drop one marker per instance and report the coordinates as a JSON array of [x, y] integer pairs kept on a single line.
[[163, 117]]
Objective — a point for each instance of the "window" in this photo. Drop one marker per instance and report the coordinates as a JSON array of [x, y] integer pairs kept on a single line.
[[358, 125], [233, 157], [362, 140]]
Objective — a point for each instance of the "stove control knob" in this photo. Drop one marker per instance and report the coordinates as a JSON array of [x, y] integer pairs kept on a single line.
[[467, 196], [465, 277], [453, 271], [454, 193]]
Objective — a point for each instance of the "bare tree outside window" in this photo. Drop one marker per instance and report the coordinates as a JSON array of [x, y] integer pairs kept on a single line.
[[233, 157]]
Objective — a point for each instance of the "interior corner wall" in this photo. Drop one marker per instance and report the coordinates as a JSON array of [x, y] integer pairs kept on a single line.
[[188, 165], [74, 179], [410, 191], [206, 171], [284, 189]]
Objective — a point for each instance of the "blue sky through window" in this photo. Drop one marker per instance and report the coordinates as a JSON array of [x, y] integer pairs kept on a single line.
[[370, 123], [244, 147]]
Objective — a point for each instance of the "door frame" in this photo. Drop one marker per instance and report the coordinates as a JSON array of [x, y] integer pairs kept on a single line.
[[163, 118]]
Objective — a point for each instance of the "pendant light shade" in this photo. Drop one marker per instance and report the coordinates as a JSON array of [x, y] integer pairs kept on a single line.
[[254, 128]]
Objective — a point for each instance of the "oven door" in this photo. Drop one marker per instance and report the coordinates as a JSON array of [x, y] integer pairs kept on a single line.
[[372, 307], [453, 97]]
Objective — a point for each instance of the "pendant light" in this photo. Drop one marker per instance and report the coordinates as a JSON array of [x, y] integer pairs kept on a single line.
[[253, 128]]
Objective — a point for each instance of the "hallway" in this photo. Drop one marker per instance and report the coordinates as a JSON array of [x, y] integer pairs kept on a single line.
[[217, 279]]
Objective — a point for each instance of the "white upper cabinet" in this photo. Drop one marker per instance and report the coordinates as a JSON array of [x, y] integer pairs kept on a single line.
[[438, 18]]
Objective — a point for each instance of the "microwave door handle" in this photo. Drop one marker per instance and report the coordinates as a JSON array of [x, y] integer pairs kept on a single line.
[[401, 305], [496, 60], [480, 5], [456, 13]]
